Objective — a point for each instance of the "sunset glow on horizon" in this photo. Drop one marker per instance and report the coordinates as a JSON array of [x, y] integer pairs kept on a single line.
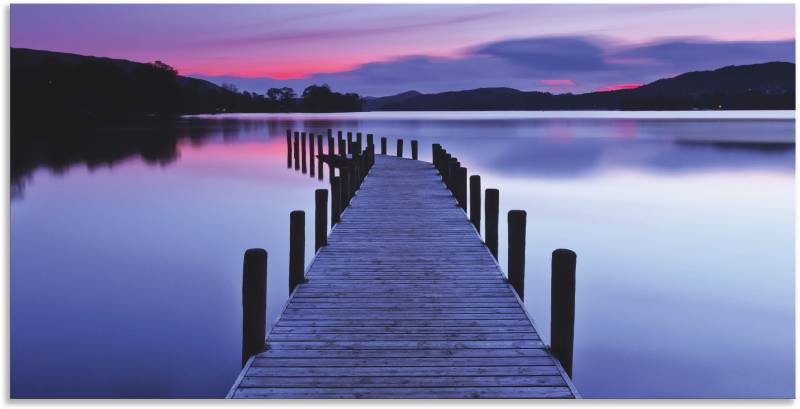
[[386, 49]]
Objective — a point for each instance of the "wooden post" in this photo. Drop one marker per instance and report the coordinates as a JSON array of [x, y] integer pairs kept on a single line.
[[435, 150], [414, 150], [320, 218], [516, 251], [356, 171], [254, 303], [297, 248], [562, 307], [369, 140], [311, 165], [344, 173], [303, 151], [288, 148], [451, 175], [330, 133], [353, 173], [399, 148], [339, 142], [349, 142], [492, 216], [331, 153], [475, 201], [319, 154], [358, 141], [383, 145], [336, 200], [297, 150], [342, 150], [461, 187]]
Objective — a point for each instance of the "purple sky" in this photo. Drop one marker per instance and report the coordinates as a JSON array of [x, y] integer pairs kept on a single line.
[[386, 49]]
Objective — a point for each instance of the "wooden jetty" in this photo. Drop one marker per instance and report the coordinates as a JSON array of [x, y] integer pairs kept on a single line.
[[402, 300]]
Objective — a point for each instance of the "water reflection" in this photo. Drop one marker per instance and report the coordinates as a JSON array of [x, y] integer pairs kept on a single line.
[[683, 229]]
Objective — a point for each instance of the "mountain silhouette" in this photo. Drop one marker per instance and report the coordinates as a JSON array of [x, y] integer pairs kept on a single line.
[[758, 86]]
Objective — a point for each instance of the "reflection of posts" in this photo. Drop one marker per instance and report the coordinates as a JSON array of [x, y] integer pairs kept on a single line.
[[319, 155], [303, 150], [330, 164], [288, 148], [562, 307], [297, 150], [311, 154], [254, 302]]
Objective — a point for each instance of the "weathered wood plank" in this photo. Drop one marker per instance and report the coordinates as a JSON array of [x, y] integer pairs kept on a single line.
[[395, 381], [405, 301], [405, 393]]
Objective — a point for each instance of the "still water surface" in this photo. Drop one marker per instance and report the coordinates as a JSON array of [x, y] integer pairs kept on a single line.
[[126, 272]]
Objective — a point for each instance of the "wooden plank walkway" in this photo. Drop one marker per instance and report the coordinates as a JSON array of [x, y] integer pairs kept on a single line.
[[405, 301]]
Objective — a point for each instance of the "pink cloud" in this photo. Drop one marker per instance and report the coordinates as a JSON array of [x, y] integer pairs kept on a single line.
[[617, 87], [559, 82]]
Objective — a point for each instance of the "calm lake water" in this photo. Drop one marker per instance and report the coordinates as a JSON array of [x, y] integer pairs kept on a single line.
[[126, 262]]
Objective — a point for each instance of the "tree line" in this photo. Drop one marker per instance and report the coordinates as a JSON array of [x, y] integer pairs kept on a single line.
[[99, 89]]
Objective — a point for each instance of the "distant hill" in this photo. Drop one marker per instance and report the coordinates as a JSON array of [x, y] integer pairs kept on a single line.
[[758, 86], [375, 104], [75, 88]]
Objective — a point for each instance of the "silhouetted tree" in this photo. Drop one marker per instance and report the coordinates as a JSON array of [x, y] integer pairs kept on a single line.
[[320, 98], [282, 98]]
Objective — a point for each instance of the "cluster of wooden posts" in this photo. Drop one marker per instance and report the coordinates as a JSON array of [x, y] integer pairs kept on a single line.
[[354, 162], [562, 285]]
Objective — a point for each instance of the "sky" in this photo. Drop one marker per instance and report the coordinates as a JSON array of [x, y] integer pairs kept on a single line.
[[378, 50]]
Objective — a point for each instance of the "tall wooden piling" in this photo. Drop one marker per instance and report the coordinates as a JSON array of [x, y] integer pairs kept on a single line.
[[288, 148], [349, 142], [516, 251], [320, 218], [369, 140], [254, 302], [297, 150], [562, 307], [336, 200], [475, 201], [311, 166], [399, 148], [461, 187], [319, 155], [303, 151], [330, 164], [414, 149], [435, 152], [344, 173], [297, 248], [452, 166], [339, 142], [383, 145], [358, 142], [342, 150], [492, 216]]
